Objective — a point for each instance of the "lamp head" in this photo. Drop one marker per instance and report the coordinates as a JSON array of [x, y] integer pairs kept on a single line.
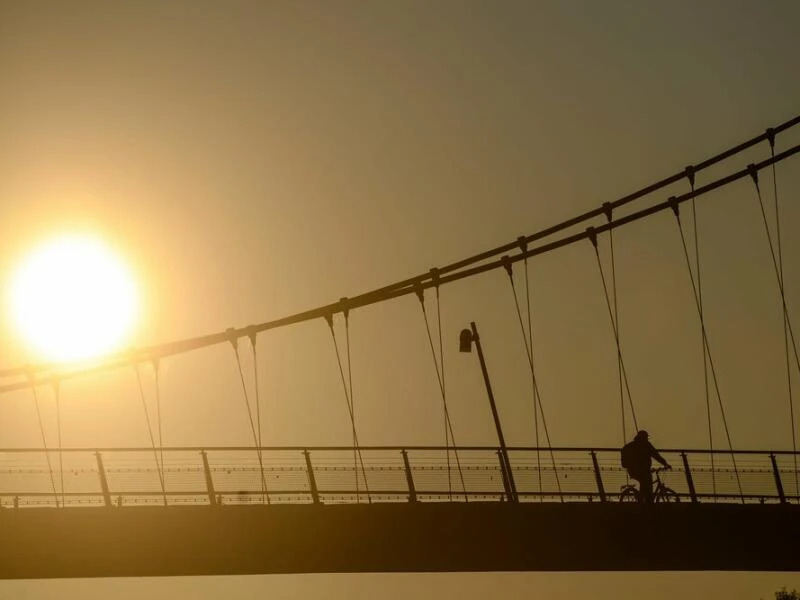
[[465, 341]]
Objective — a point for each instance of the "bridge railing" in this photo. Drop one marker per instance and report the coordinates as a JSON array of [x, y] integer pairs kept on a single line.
[[234, 475]]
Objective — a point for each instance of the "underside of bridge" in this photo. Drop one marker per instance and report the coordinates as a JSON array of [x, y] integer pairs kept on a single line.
[[430, 537]]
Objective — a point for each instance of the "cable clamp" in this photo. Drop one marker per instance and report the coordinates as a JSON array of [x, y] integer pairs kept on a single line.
[[689, 171], [345, 306], [251, 334], [507, 266], [420, 292], [770, 133], [592, 235], [608, 211], [522, 242], [751, 169], [673, 203], [233, 338], [435, 276]]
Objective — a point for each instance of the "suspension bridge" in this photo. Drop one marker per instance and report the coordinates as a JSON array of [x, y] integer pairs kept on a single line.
[[167, 510]]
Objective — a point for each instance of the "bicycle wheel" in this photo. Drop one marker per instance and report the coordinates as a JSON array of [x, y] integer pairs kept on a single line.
[[668, 495], [629, 494]]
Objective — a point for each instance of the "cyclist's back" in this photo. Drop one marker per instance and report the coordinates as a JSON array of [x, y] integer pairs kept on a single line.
[[637, 457]]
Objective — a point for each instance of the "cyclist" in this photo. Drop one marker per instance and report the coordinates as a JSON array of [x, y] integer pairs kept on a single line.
[[637, 458]]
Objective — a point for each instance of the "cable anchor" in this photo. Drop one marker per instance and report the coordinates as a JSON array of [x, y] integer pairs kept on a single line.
[[591, 233], [507, 265], [673, 203], [251, 334], [608, 210], [689, 172], [770, 133], [233, 338], [751, 169], [420, 292], [435, 276]]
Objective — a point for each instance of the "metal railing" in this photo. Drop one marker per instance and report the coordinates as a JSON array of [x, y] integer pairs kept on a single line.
[[231, 475]]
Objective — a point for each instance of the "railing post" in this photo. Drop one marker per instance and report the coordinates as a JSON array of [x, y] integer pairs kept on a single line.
[[689, 479], [312, 482], [778, 482], [212, 496], [502, 457], [103, 481], [598, 477], [412, 491]]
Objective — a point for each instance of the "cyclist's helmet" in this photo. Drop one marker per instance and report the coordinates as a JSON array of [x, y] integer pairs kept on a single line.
[[642, 435]]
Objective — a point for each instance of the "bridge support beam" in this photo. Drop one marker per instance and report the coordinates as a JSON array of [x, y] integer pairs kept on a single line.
[[391, 537]]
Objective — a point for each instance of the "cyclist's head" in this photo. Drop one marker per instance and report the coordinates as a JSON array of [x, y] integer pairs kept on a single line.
[[643, 435]]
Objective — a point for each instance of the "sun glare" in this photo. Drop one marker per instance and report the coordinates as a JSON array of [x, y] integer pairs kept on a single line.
[[73, 299]]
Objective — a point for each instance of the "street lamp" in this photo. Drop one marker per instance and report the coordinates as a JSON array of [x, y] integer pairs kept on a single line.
[[465, 341]]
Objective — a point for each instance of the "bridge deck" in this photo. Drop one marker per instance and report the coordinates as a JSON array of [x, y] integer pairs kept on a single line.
[[421, 537]]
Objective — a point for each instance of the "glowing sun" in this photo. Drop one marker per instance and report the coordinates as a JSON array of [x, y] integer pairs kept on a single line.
[[73, 299]]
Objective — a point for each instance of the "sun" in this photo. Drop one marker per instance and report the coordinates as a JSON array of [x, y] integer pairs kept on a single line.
[[73, 298]]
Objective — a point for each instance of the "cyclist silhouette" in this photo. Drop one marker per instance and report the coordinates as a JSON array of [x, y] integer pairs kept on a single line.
[[637, 459]]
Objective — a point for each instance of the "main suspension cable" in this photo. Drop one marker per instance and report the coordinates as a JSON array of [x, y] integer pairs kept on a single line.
[[448, 424], [44, 444], [159, 465], [455, 272], [537, 397], [348, 396], [788, 331], [676, 211], [592, 235], [246, 396]]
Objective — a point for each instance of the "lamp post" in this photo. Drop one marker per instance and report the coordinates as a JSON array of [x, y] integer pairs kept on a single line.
[[465, 341]]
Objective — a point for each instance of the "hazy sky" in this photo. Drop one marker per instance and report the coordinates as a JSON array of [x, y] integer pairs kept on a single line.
[[254, 159]]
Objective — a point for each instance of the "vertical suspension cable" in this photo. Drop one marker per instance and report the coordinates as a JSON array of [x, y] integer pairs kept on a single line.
[[358, 458], [537, 396], [706, 389], [608, 212], [57, 396], [593, 238], [448, 424], [788, 332], [159, 465], [534, 386], [444, 383], [44, 441], [714, 379], [235, 343], [356, 445], [157, 379], [252, 336]]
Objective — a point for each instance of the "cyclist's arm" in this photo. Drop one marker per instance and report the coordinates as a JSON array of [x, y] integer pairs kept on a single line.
[[654, 453]]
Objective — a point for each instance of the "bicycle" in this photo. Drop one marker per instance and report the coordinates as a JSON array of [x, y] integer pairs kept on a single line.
[[661, 493]]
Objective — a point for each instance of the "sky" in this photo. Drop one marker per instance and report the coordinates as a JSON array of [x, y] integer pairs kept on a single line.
[[255, 159]]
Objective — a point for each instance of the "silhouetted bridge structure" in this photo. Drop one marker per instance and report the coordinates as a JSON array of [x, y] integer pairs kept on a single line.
[[84, 512], [406, 510]]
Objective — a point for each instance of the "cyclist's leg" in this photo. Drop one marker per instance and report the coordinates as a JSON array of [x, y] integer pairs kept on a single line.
[[645, 486], [646, 489]]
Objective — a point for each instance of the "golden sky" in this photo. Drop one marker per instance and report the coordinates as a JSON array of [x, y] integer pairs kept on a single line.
[[252, 159]]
